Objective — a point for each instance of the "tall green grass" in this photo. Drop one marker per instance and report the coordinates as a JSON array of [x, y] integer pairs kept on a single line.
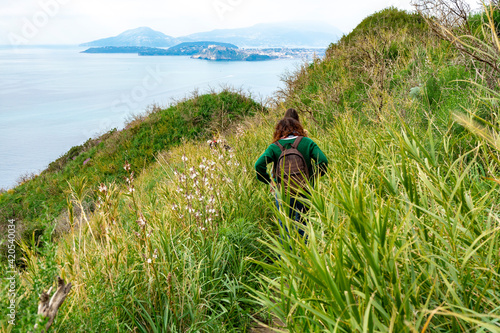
[[402, 232], [407, 241], [39, 201]]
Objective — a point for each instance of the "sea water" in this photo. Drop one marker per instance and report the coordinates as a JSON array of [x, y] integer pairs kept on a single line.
[[53, 98]]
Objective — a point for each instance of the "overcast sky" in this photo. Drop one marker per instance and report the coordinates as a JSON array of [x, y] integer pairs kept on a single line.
[[77, 21]]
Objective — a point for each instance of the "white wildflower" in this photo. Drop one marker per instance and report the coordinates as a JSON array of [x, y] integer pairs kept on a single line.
[[141, 222]]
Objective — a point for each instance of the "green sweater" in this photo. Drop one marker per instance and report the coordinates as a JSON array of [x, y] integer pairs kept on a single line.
[[307, 147]]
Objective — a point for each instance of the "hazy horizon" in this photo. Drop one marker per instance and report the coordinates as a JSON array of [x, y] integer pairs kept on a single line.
[[70, 22], [179, 36]]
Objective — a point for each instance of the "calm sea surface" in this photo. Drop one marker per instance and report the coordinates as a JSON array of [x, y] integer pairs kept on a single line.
[[53, 98]]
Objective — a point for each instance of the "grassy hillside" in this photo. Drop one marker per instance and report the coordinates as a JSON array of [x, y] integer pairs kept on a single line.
[[39, 201], [403, 232]]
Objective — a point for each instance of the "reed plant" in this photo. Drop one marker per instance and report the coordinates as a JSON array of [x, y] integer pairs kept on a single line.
[[402, 232], [168, 252], [406, 242]]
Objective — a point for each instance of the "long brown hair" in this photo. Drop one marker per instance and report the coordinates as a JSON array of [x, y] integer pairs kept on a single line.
[[286, 127]]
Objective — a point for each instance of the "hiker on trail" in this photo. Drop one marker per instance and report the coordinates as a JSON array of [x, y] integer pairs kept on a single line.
[[292, 154]]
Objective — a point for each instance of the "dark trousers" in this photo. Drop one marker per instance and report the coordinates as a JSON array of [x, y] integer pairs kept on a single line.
[[296, 211]]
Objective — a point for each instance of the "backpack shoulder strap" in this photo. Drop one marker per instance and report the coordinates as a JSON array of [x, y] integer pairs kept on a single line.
[[279, 145], [296, 142]]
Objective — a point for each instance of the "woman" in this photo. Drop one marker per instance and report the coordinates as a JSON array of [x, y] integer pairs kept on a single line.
[[286, 133]]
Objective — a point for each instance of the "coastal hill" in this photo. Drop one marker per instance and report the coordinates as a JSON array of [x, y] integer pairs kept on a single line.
[[142, 36], [214, 51], [182, 49], [222, 53], [288, 34], [163, 227], [186, 48]]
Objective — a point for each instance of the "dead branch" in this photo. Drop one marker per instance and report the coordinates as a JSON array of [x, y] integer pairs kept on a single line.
[[48, 308], [450, 21]]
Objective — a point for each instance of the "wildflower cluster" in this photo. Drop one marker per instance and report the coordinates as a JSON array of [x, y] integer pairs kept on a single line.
[[200, 188], [240, 131], [145, 240], [130, 179], [154, 256], [107, 200]]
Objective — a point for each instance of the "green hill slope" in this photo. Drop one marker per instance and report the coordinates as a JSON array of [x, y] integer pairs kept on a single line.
[[38, 201], [402, 232]]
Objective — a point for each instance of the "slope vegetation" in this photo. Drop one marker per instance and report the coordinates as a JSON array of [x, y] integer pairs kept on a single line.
[[403, 230]]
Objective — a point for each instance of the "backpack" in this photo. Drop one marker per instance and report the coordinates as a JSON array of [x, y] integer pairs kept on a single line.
[[292, 167]]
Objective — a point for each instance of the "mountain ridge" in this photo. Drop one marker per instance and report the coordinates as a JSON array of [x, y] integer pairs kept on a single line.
[[290, 34], [142, 36]]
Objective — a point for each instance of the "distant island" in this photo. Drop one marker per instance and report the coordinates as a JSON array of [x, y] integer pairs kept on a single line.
[[119, 49], [182, 49], [221, 53], [213, 51], [185, 49], [261, 42]]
